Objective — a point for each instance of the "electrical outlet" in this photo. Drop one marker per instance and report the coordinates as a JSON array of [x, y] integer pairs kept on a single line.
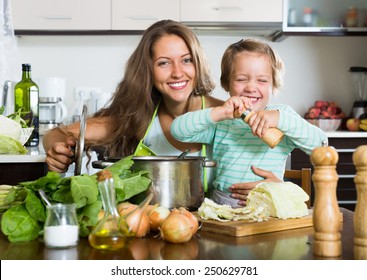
[[85, 93]]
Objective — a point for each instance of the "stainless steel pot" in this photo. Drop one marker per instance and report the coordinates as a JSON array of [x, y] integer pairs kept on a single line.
[[175, 182]]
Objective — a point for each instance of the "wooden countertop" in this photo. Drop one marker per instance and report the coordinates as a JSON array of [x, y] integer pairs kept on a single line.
[[293, 244]]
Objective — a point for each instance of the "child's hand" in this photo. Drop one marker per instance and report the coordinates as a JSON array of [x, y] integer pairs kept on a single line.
[[232, 108], [262, 120]]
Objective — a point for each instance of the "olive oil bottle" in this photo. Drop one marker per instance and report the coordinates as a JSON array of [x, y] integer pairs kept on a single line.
[[107, 234], [26, 98], [112, 232]]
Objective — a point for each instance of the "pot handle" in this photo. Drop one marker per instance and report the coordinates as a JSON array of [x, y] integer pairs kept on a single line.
[[209, 163]]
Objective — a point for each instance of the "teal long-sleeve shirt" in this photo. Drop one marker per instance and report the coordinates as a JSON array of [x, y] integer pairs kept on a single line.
[[236, 149]]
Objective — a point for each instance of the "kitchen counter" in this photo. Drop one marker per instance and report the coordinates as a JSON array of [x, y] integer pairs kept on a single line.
[[34, 154], [346, 134], [20, 168], [283, 245]]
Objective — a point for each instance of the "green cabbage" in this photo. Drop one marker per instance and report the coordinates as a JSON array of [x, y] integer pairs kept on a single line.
[[9, 127], [11, 146], [281, 200], [10, 132]]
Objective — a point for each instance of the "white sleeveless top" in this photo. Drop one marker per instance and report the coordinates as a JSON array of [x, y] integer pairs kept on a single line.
[[158, 143]]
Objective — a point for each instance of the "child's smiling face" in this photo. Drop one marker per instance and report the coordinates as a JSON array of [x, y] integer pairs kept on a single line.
[[252, 78]]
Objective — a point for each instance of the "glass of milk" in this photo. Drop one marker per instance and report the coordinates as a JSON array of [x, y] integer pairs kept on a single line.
[[61, 228]]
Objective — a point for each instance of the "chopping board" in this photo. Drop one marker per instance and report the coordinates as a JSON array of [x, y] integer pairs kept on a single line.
[[247, 227]]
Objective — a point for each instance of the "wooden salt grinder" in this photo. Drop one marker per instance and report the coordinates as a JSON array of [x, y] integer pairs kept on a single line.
[[326, 217], [360, 213]]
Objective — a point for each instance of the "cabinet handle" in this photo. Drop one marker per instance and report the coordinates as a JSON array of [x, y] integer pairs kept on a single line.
[[334, 29], [345, 150], [143, 18], [228, 9], [347, 201], [58, 17], [346, 176]]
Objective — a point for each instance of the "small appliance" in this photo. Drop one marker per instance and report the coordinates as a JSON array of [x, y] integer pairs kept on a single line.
[[359, 84], [52, 111]]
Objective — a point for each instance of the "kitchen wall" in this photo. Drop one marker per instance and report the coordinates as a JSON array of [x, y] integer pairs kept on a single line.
[[316, 67]]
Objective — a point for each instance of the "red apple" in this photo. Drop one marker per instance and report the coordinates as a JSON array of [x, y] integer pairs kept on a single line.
[[353, 124], [314, 113], [321, 104]]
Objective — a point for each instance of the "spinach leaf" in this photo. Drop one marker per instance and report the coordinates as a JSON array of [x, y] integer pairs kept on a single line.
[[84, 190], [88, 217], [15, 196], [63, 195], [133, 184], [18, 225], [48, 182], [121, 166], [35, 207]]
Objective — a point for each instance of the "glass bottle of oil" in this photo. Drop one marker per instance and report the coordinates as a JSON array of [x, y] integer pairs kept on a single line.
[[111, 232]]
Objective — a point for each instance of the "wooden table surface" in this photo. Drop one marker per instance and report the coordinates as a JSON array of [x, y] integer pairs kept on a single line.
[[293, 244]]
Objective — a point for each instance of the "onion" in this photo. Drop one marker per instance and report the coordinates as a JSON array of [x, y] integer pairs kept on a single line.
[[101, 214], [177, 228], [125, 207], [193, 220], [136, 219], [157, 216], [150, 207], [138, 222]]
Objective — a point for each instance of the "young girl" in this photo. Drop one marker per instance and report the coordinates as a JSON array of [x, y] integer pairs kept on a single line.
[[251, 73]]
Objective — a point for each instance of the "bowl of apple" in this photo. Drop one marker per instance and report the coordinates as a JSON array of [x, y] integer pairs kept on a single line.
[[325, 115]]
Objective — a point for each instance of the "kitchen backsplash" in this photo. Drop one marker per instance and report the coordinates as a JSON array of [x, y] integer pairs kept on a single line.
[[316, 67]]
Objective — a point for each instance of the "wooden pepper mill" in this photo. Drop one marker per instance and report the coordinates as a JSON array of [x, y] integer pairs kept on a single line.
[[273, 135], [326, 214], [360, 213]]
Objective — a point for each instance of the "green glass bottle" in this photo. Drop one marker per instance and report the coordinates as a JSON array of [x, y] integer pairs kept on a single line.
[[26, 96]]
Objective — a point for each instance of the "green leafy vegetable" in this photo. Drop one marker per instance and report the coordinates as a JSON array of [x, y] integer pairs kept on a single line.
[[9, 145], [17, 117], [18, 225], [30, 212], [10, 133], [282, 200]]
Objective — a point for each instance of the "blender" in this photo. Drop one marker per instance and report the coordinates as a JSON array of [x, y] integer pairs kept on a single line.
[[359, 83]]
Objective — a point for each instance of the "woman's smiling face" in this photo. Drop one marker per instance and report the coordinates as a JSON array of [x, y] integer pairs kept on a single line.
[[252, 78], [174, 71]]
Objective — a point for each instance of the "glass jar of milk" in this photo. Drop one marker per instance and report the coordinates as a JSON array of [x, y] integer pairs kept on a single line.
[[61, 228]]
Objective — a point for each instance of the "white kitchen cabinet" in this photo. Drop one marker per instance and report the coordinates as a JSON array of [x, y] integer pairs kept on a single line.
[[140, 14], [231, 11], [61, 15]]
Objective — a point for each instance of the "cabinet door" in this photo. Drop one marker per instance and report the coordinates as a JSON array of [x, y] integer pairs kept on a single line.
[[218, 11], [140, 14], [325, 16], [61, 15]]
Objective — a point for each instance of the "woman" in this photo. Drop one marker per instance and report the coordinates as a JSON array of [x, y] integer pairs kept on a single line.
[[165, 77]]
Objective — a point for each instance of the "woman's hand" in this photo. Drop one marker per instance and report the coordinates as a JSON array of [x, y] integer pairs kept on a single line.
[[241, 190], [60, 155]]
